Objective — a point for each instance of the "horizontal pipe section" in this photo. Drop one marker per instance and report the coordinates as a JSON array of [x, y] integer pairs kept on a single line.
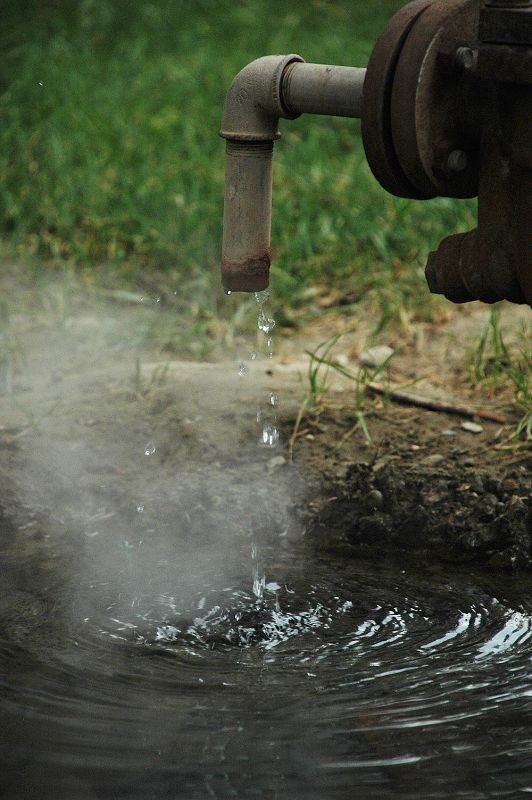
[[323, 89]]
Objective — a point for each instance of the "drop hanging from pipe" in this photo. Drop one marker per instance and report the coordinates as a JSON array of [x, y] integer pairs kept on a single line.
[[267, 89]]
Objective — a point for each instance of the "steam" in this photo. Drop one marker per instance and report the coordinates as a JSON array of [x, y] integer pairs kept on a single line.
[[149, 477]]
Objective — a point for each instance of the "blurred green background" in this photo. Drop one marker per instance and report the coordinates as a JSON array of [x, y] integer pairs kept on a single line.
[[111, 164]]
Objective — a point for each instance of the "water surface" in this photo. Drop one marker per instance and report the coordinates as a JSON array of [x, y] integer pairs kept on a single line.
[[131, 669]]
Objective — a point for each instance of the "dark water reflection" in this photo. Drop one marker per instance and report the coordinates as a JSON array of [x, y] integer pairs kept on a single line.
[[124, 676]]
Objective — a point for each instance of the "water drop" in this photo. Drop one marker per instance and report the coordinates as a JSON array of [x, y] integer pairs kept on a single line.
[[242, 368], [264, 323], [262, 297], [270, 435], [253, 356], [149, 449], [261, 320], [157, 299], [259, 582], [228, 292], [273, 399], [140, 509], [41, 83]]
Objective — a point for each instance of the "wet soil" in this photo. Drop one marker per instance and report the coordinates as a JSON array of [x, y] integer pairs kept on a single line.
[[84, 400]]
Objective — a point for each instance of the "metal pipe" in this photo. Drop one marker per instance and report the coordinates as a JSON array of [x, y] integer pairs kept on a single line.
[[323, 89], [250, 117], [247, 216], [265, 90]]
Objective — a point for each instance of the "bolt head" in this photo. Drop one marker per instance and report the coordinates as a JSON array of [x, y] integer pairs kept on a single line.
[[457, 161], [466, 58]]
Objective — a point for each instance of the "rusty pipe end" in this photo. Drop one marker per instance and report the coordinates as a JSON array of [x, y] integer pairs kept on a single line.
[[249, 275]]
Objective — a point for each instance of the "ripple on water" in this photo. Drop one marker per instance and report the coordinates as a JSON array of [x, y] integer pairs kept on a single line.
[[409, 685]]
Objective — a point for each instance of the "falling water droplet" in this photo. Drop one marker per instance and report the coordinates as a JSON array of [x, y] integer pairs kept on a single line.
[[261, 320], [270, 435], [259, 582], [149, 449], [157, 299], [242, 368], [264, 323], [273, 399], [41, 83], [253, 356], [228, 292], [140, 509]]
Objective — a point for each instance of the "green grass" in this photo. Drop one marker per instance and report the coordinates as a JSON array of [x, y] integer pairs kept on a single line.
[[497, 364], [110, 162], [321, 362]]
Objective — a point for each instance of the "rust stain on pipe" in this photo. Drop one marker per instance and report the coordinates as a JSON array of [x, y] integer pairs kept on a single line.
[[248, 275]]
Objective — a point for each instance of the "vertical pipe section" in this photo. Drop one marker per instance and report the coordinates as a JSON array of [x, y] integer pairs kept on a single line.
[[247, 216]]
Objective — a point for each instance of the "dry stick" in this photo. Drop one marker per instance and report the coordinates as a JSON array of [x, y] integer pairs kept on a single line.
[[431, 405]]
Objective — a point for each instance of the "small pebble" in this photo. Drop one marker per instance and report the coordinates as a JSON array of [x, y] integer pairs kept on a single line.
[[472, 427], [448, 432], [491, 502], [435, 458], [376, 356], [376, 499], [477, 484], [275, 462]]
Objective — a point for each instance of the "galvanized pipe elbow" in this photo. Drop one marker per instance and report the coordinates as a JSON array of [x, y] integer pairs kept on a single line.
[[250, 117], [253, 103]]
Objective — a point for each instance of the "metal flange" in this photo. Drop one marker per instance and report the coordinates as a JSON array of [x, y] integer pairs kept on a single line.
[[376, 115], [427, 118]]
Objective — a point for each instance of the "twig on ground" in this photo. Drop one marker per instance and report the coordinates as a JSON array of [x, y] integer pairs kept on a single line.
[[431, 404]]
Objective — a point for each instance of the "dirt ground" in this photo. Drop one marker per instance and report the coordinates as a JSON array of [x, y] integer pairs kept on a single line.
[[96, 426]]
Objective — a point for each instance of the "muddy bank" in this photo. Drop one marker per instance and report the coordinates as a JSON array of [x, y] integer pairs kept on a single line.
[[464, 516]]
